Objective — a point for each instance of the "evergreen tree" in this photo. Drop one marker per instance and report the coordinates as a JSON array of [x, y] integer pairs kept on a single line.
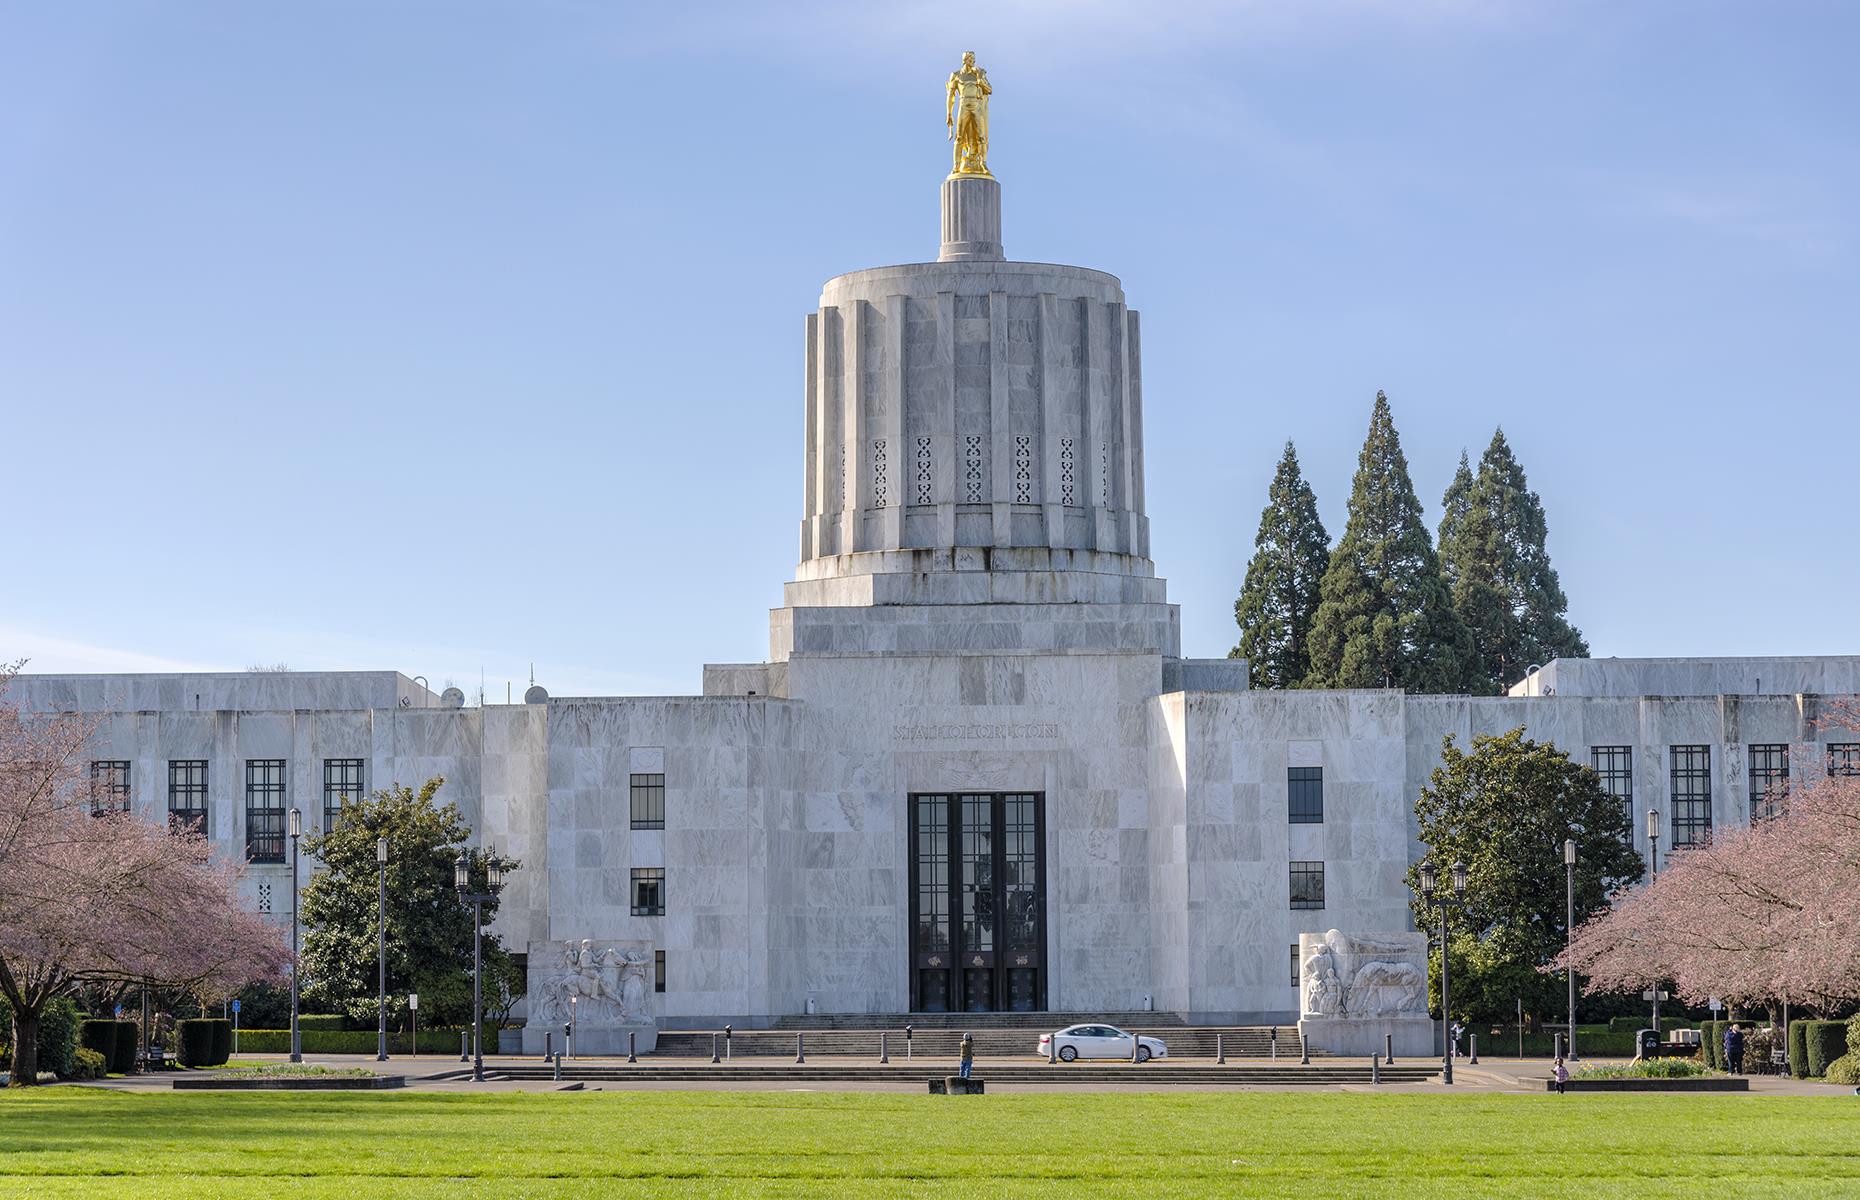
[[1454, 506], [429, 929], [1495, 560], [1385, 617], [1280, 596]]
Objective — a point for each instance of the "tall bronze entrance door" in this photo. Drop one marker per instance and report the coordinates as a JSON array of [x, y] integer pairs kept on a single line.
[[978, 902]]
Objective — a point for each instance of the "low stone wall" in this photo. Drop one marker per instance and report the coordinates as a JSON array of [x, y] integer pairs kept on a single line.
[[344, 1083], [1702, 1083]]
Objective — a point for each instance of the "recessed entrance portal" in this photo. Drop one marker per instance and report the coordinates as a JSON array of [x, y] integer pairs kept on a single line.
[[978, 902]]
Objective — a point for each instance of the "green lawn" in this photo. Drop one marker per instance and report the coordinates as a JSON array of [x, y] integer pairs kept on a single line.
[[74, 1141]]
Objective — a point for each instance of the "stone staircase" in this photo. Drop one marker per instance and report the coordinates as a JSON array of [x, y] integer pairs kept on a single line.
[[997, 1035]]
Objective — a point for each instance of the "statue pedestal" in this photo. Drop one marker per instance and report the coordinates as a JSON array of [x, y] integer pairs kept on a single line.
[[594, 1041], [971, 219], [1360, 1037]]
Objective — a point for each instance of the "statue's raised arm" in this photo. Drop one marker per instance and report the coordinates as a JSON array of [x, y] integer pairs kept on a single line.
[[965, 113]]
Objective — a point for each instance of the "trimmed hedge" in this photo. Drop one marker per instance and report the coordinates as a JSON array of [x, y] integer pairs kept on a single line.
[[354, 1041], [1826, 1041], [99, 1034], [1798, 1049], [128, 1041], [322, 1021], [58, 1037], [198, 1041]]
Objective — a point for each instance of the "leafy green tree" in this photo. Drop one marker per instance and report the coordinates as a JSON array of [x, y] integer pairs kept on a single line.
[[1385, 617], [1497, 566], [1280, 596], [429, 929], [1504, 810]]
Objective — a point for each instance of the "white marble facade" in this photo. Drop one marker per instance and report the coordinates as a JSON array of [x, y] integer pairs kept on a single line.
[[974, 609]]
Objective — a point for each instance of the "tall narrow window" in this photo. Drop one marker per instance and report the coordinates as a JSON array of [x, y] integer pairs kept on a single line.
[[342, 780], [109, 786], [648, 891], [658, 970], [264, 810], [187, 795], [1615, 765], [648, 800], [1844, 758], [1769, 779], [1307, 884], [1294, 964], [1304, 791], [1691, 797]]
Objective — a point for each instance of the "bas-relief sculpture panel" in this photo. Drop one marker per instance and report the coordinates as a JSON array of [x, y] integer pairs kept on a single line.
[[1358, 989], [594, 983]]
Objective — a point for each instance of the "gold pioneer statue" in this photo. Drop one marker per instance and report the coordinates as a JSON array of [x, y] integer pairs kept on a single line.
[[966, 114]]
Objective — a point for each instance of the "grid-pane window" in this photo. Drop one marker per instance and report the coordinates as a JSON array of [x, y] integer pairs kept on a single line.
[[1844, 758], [933, 921], [1307, 884], [648, 801], [648, 891], [1294, 964], [1769, 779], [658, 970], [342, 780], [1615, 765], [187, 795], [264, 810], [1691, 796], [1304, 791], [109, 786]]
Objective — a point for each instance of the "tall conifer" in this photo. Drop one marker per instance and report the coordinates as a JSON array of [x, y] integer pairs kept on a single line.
[[1454, 506], [1503, 585], [1280, 596], [1385, 618]]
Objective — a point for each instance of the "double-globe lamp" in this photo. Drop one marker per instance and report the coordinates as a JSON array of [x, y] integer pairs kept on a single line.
[[1431, 895]]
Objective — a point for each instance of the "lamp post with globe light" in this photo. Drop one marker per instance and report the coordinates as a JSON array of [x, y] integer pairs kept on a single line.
[[1455, 894], [494, 883]]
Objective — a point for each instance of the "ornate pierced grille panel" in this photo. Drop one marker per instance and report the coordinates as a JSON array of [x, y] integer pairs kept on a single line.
[[1023, 469], [879, 484], [1066, 496], [972, 468], [925, 472]]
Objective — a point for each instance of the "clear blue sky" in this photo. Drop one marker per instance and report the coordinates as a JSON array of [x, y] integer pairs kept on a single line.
[[452, 337]]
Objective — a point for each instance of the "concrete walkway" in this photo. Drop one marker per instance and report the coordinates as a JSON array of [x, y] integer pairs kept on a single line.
[[437, 1073]]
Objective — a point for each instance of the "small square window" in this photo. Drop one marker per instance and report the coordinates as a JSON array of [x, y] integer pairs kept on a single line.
[[658, 970], [1307, 885], [648, 891], [1304, 793]]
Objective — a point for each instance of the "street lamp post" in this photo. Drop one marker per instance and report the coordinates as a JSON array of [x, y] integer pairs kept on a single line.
[[1569, 937], [1653, 864], [1431, 895], [297, 829], [494, 883], [381, 861]]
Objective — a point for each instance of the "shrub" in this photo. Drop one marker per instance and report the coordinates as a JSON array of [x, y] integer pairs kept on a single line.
[[1650, 1068], [222, 1043], [1798, 1049], [321, 1022], [1711, 1042], [58, 1037], [123, 1054], [1827, 1041], [98, 1034], [355, 1041], [87, 1064]]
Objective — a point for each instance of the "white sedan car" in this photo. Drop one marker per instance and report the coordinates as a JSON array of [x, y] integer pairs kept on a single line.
[[1099, 1041]]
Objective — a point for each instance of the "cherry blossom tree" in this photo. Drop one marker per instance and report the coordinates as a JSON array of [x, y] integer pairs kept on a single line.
[[108, 898], [1762, 913]]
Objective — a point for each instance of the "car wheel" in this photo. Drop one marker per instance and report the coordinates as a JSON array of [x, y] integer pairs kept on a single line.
[[1143, 1054], [1068, 1053]]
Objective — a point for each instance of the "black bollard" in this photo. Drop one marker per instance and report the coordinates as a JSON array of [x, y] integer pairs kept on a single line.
[[714, 1056], [548, 1045], [1375, 1068], [630, 1044], [1388, 1048], [464, 1046], [1304, 1052], [558, 1066], [1220, 1051], [800, 1047], [884, 1047], [1472, 1041]]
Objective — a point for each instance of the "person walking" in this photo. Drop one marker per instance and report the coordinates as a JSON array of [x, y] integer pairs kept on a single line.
[[1458, 1029], [968, 1054], [1561, 1074], [1734, 1049]]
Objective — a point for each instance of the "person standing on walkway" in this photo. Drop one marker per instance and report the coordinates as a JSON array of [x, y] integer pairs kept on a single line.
[[1561, 1074], [968, 1054], [1457, 1030], [1734, 1049]]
